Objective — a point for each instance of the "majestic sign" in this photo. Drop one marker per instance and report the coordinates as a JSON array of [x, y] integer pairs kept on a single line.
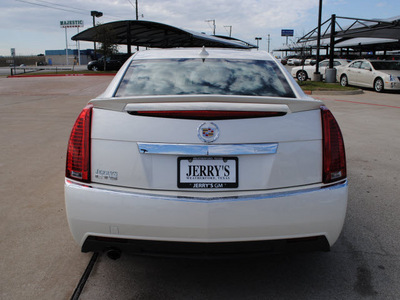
[[71, 23], [287, 32]]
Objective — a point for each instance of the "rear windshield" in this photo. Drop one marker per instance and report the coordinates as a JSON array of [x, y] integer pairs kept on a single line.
[[386, 65], [209, 76]]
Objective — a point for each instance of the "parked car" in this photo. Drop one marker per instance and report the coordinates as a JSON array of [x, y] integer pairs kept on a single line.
[[284, 60], [294, 61], [205, 151], [310, 61], [112, 64], [305, 72], [376, 74]]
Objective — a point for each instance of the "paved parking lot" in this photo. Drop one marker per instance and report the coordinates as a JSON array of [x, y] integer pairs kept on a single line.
[[41, 261]]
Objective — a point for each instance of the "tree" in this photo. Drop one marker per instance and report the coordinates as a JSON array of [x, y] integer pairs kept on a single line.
[[105, 36]]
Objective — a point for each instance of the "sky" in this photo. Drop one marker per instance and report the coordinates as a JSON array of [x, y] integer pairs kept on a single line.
[[33, 26]]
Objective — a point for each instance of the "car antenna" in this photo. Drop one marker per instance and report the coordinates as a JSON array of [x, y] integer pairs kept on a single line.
[[203, 54]]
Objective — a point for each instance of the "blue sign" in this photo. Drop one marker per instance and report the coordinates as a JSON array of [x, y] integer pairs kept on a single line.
[[287, 32]]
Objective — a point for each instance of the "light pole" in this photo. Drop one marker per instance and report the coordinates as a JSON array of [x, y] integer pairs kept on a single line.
[[213, 21], [317, 75], [230, 29], [137, 10], [137, 18], [258, 39], [95, 14], [269, 41]]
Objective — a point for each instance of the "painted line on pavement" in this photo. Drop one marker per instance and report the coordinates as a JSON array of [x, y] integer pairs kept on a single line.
[[356, 102]]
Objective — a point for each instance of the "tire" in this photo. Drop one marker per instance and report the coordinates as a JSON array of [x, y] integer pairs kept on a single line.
[[378, 85], [301, 75], [344, 81], [95, 68]]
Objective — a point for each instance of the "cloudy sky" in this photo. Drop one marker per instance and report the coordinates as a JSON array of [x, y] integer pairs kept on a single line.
[[32, 26]]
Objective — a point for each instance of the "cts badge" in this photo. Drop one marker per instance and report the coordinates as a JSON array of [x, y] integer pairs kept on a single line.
[[208, 132]]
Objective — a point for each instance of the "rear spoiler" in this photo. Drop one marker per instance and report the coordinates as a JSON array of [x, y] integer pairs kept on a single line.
[[207, 102]]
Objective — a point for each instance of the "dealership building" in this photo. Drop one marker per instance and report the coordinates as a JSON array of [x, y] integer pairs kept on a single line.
[[69, 57]]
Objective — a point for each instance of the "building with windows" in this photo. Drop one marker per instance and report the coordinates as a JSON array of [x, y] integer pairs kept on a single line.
[[69, 57]]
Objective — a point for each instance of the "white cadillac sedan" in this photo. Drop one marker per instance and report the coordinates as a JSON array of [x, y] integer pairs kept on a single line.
[[376, 74], [303, 73], [205, 152]]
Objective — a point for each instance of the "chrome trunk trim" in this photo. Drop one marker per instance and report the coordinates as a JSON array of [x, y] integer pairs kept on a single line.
[[207, 150]]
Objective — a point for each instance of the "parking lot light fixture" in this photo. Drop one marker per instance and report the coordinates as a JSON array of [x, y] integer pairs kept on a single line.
[[258, 39], [95, 14], [213, 22], [230, 29]]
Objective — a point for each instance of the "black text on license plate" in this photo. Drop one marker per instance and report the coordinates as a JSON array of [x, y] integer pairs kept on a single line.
[[208, 172]]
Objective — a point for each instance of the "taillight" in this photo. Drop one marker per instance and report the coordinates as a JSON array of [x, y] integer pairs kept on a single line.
[[334, 157], [78, 154]]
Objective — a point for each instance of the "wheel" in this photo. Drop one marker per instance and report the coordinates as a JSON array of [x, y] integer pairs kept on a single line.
[[95, 68], [378, 85], [343, 80], [301, 75]]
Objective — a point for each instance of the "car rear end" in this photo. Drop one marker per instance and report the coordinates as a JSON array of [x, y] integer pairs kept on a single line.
[[173, 159]]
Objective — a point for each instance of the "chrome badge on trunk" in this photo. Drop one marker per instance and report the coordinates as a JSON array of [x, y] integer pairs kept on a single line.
[[208, 132]]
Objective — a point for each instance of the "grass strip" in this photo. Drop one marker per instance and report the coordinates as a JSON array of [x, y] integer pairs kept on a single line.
[[323, 86]]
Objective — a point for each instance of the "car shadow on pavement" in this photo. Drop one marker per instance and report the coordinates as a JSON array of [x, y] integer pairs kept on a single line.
[[319, 275]]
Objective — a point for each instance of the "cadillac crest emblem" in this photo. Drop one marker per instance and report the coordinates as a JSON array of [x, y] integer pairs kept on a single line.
[[208, 132]]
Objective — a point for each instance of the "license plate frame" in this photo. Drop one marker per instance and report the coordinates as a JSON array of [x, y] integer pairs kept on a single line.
[[216, 173]]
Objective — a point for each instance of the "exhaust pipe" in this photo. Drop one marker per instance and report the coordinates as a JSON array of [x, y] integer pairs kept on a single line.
[[113, 253]]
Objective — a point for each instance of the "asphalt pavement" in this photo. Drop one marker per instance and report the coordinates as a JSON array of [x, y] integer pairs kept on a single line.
[[41, 260]]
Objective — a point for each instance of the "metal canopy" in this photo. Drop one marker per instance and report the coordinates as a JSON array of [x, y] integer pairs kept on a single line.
[[360, 35], [157, 35], [360, 28], [357, 44]]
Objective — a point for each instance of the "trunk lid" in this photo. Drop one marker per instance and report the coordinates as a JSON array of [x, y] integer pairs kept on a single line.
[[156, 151]]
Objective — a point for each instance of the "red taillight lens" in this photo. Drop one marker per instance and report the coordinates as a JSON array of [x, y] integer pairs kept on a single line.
[[334, 157], [78, 154]]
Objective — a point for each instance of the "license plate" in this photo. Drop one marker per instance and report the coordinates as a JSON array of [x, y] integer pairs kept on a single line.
[[208, 172]]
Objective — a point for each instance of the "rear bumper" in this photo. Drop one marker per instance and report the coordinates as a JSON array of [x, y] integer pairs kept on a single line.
[[136, 222], [205, 250]]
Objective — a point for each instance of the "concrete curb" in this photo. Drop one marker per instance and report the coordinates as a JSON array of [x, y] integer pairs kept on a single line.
[[354, 92]]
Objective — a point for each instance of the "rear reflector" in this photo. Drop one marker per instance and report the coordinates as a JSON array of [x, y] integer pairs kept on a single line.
[[207, 114], [78, 154], [334, 158]]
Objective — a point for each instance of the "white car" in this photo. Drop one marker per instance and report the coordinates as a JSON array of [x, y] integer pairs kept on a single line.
[[293, 61], [306, 72], [376, 74], [310, 61], [205, 151]]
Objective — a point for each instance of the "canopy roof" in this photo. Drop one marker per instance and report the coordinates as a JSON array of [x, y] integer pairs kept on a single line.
[[360, 28], [365, 44], [361, 34], [157, 35]]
